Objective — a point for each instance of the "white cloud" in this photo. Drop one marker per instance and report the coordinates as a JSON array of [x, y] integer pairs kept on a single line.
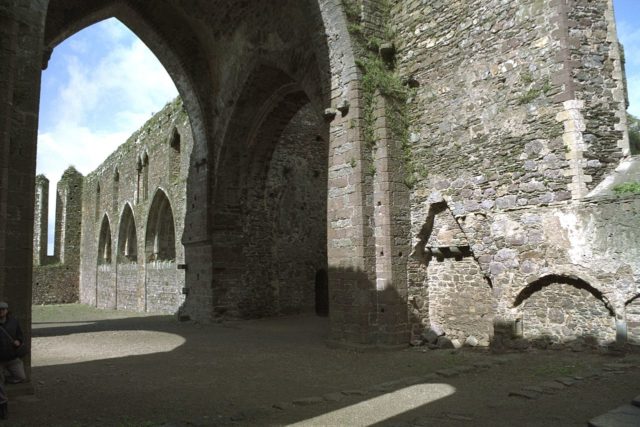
[[100, 106]]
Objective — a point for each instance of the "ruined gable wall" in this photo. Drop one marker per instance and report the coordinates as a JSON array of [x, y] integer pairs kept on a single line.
[[56, 278]]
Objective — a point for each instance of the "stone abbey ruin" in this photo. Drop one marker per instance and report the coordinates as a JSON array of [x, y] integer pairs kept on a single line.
[[410, 167], [140, 189]]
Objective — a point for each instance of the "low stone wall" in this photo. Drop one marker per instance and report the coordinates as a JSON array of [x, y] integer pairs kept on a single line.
[[128, 287], [164, 283], [55, 284], [106, 286]]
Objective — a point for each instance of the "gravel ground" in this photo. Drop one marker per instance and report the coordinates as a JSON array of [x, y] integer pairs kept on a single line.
[[104, 368]]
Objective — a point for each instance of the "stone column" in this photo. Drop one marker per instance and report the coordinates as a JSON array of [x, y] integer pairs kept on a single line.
[[350, 247], [41, 221], [390, 201], [21, 34]]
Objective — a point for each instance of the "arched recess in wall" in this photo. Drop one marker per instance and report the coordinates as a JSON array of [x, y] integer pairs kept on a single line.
[[127, 237], [160, 239], [632, 315], [280, 187], [104, 242], [565, 308]]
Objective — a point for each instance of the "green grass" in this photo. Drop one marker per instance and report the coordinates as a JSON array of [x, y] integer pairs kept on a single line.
[[627, 188]]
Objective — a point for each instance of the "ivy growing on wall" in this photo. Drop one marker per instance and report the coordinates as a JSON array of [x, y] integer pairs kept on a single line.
[[374, 52]]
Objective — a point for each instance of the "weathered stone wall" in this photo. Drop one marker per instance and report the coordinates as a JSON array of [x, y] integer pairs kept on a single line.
[[516, 104], [55, 284], [510, 124], [130, 189], [460, 300], [296, 205], [563, 313], [56, 278]]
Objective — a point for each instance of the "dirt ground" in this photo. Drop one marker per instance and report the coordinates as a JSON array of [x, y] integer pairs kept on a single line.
[[104, 368]]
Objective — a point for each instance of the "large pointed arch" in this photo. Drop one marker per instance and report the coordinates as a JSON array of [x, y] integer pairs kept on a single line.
[[160, 236], [127, 236], [179, 52], [104, 242]]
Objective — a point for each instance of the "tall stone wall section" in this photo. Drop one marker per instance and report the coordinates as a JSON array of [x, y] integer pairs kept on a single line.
[[514, 117], [517, 106], [56, 277], [132, 202]]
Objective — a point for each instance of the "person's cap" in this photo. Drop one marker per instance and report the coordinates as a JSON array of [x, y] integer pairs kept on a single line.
[[3, 305]]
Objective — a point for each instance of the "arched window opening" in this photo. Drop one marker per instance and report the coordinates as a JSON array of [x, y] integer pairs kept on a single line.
[[127, 237], [174, 140], [145, 176], [97, 207], [139, 181], [104, 242], [116, 188], [174, 143], [160, 242]]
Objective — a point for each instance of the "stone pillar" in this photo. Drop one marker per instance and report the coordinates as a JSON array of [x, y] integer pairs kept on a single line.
[[21, 34], [390, 201], [350, 248], [69, 218], [41, 221]]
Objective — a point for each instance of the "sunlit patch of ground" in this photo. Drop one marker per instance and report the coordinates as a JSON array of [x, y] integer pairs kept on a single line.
[[86, 347]]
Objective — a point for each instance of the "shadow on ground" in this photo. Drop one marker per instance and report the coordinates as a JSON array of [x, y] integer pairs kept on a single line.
[[157, 371]]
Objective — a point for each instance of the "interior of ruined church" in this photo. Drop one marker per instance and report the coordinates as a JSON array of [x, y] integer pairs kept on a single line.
[[355, 212]]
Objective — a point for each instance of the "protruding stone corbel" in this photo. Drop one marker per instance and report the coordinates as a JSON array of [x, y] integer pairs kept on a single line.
[[343, 107], [330, 114]]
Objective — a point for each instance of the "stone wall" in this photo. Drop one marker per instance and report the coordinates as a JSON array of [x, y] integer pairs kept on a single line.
[[135, 198], [513, 117], [504, 121], [56, 277]]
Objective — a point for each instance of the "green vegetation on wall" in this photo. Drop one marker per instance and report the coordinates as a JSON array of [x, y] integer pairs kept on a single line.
[[627, 188], [379, 78]]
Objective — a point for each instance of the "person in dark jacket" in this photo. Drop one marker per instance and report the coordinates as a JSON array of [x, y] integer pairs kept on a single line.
[[11, 339]]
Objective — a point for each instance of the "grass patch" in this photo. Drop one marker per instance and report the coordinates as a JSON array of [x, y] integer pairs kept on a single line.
[[627, 188]]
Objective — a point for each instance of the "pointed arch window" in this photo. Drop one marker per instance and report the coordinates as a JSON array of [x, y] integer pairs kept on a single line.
[[160, 241], [116, 188], [127, 237], [174, 143], [104, 242], [143, 178], [97, 210]]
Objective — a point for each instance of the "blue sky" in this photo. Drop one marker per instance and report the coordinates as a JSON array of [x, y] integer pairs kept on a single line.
[[628, 23], [100, 85], [103, 83]]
